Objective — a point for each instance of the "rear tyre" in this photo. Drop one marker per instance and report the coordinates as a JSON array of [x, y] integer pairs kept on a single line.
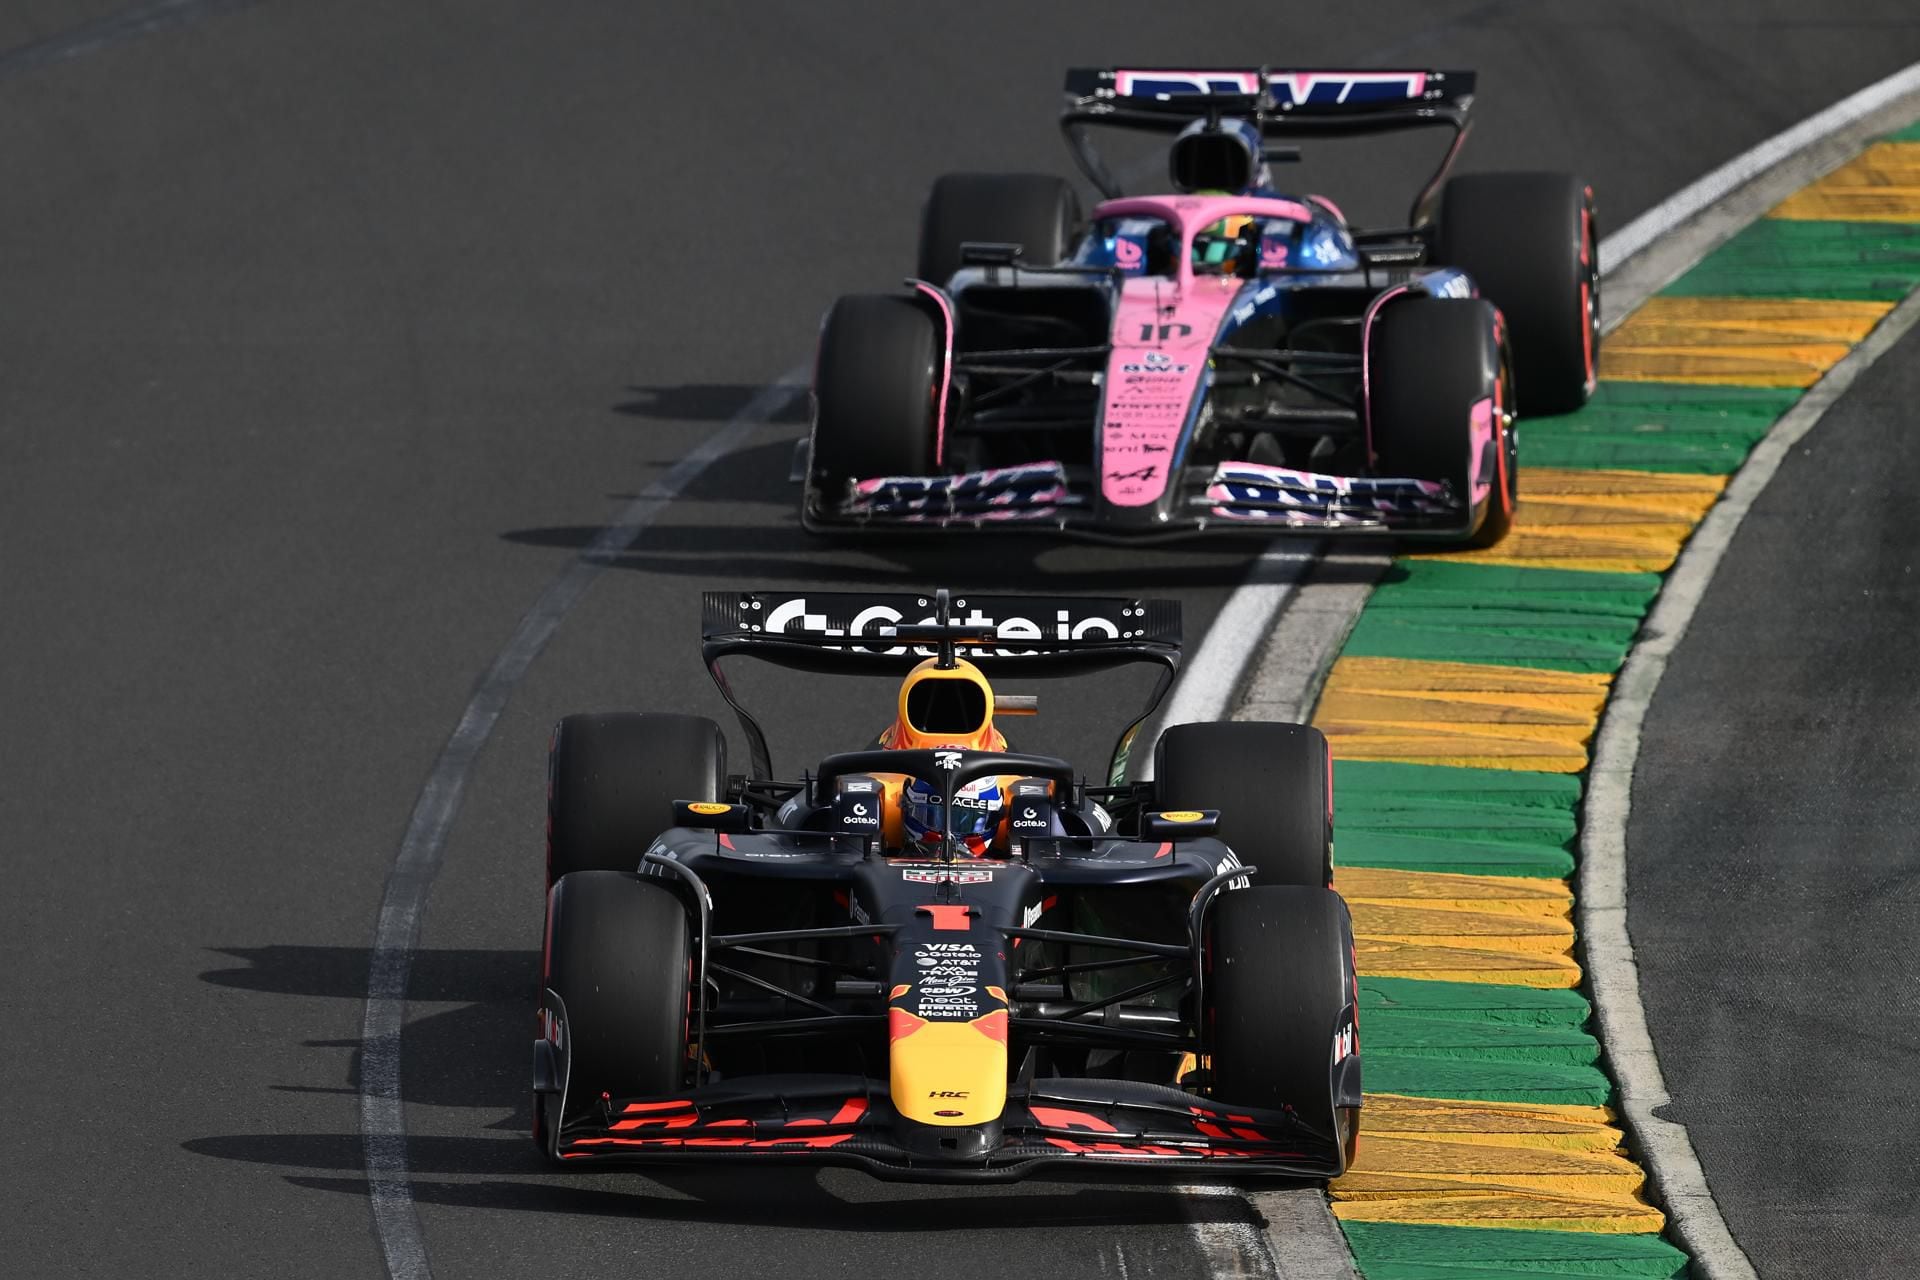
[[1528, 241], [875, 392], [1271, 784], [1432, 364], [612, 779], [1038, 212], [617, 949], [1283, 1006]]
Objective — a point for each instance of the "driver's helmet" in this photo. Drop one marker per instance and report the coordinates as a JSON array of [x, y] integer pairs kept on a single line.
[[1216, 248], [977, 809]]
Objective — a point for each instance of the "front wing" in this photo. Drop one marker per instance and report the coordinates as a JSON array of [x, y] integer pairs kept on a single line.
[[847, 1120], [1227, 497]]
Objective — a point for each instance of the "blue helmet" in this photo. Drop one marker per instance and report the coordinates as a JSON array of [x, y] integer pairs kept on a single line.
[[976, 815]]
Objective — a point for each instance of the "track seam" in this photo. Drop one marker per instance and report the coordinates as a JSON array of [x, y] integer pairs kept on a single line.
[[396, 1221], [115, 29]]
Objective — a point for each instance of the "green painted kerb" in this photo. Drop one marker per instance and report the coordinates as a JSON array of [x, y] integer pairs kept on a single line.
[[1552, 619], [1655, 426], [1474, 1002], [1788, 258], [1484, 822], [1393, 1251]]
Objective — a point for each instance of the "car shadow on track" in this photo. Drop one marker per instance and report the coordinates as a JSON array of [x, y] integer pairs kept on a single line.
[[796, 1198], [507, 1173], [471, 1054], [705, 402], [1019, 564], [436, 975]]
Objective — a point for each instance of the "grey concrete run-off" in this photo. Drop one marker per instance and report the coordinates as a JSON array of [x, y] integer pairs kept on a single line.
[[1773, 869]]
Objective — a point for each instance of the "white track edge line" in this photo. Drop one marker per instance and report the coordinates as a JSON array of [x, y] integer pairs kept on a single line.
[[1612, 971], [1228, 1250], [396, 1221]]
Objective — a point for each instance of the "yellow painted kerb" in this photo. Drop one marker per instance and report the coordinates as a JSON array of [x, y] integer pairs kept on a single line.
[[1882, 185], [1465, 714], [1753, 342]]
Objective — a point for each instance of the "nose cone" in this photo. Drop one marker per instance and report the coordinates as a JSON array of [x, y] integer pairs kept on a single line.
[[949, 1074]]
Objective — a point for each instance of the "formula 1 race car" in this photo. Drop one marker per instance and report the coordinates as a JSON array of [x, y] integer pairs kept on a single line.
[[1221, 357], [937, 958]]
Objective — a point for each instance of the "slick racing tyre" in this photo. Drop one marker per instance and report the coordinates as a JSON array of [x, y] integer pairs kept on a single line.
[[1036, 211], [1432, 364], [875, 389], [614, 994], [1270, 783], [612, 779], [1282, 1005], [1528, 241]]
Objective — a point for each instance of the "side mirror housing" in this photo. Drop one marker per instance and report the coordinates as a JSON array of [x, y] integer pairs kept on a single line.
[[1179, 824], [1029, 813], [711, 816], [857, 801], [1030, 809]]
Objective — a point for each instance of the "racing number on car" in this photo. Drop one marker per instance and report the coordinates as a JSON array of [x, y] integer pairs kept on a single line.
[[1162, 332]]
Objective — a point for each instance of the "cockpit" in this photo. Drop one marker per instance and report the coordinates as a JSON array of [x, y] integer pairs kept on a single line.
[[1243, 244]]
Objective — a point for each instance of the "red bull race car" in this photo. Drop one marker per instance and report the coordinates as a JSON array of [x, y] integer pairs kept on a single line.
[[937, 958], [1219, 357]]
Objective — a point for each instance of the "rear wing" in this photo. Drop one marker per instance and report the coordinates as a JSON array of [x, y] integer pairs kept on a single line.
[[1288, 99], [881, 633], [1280, 103]]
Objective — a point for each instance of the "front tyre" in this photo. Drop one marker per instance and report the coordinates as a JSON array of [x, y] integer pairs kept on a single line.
[[1439, 406], [1283, 1007], [876, 390], [614, 997]]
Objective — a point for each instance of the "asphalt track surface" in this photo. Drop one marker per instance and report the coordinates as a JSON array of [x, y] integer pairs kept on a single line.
[[1773, 875], [329, 333]]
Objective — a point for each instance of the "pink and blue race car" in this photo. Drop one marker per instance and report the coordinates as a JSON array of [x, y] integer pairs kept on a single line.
[[1221, 357]]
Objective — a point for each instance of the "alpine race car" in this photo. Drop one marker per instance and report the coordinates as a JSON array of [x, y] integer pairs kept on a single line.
[[937, 958], [1220, 357]]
